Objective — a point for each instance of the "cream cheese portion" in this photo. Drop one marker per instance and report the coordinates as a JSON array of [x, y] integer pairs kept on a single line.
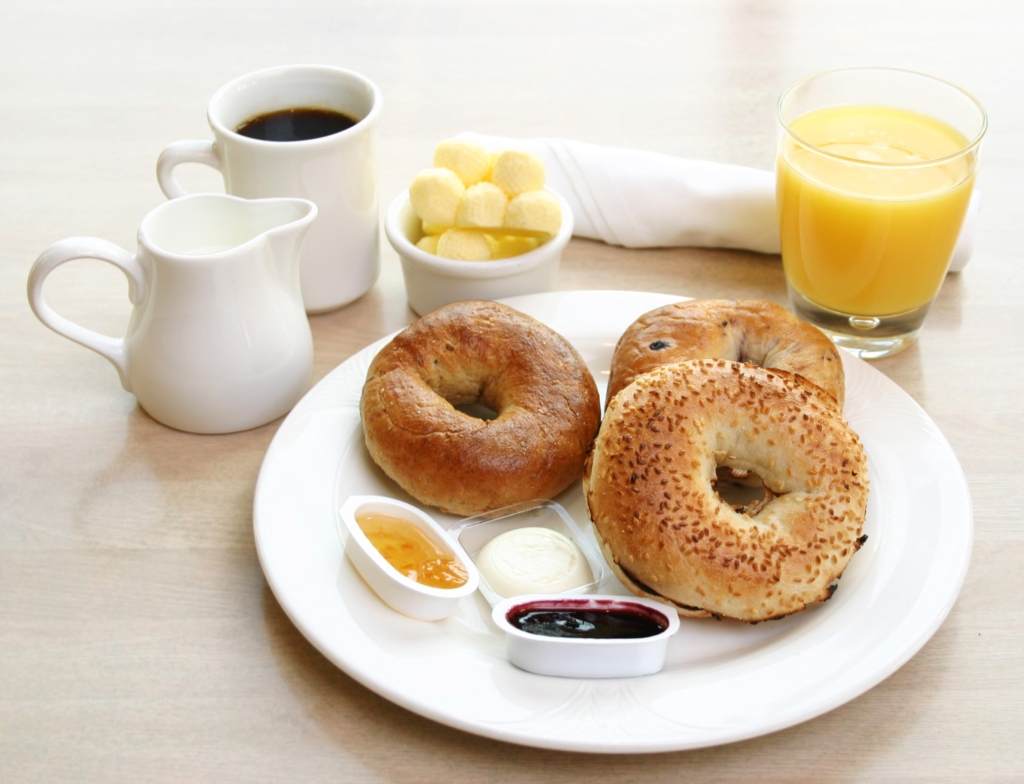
[[532, 560]]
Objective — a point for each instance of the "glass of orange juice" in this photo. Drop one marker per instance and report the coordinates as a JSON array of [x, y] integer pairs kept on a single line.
[[874, 172]]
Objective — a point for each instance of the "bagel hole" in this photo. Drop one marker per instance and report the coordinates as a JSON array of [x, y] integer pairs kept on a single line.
[[744, 493], [477, 411]]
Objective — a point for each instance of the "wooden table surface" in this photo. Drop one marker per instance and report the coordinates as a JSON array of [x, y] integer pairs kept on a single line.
[[138, 638]]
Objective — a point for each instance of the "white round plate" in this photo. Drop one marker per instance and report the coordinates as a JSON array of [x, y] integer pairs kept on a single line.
[[722, 682]]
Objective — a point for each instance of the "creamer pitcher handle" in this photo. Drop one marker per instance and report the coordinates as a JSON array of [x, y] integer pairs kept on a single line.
[[183, 152], [86, 248]]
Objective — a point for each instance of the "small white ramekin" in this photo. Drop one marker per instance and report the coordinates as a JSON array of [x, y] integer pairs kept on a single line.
[[431, 281], [578, 658], [398, 591]]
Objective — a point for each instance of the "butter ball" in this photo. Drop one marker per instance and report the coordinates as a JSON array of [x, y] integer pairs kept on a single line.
[[505, 247], [435, 195], [428, 244], [464, 245], [518, 171], [534, 211], [434, 228], [483, 206], [471, 162]]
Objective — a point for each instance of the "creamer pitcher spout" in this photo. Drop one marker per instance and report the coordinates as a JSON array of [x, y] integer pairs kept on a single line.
[[294, 217]]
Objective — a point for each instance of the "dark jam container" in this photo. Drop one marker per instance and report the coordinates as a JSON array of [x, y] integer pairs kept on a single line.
[[582, 620], [586, 637]]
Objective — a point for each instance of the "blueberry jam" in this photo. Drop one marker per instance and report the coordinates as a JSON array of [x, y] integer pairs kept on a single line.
[[587, 619]]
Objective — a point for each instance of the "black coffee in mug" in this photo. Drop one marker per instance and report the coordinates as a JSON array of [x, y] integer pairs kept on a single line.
[[295, 125]]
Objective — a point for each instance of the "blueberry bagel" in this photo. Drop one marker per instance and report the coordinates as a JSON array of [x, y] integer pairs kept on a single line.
[[755, 331]]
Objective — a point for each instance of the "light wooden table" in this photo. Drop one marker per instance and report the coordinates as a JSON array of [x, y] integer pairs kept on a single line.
[[138, 639]]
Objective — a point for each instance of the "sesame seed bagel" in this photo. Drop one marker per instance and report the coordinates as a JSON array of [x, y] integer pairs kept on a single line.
[[754, 331], [649, 485], [546, 401]]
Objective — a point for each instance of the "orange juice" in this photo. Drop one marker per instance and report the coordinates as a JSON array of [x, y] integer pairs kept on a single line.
[[869, 212]]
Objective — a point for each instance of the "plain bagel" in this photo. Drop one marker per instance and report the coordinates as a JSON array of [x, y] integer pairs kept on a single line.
[[546, 401], [755, 331], [664, 530]]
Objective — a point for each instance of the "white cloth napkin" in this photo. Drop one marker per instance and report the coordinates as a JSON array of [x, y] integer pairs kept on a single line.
[[641, 199]]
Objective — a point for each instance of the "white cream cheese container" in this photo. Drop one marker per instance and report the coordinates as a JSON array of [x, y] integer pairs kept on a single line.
[[474, 534], [533, 559]]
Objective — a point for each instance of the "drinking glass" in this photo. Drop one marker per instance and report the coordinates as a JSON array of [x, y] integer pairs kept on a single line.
[[874, 173]]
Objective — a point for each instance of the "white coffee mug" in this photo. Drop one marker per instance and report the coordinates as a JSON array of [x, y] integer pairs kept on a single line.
[[341, 255]]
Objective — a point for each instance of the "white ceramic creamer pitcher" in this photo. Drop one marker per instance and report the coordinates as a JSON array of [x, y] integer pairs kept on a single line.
[[218, 340]]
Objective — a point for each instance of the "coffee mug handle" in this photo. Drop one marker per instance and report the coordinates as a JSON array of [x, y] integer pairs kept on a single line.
[[204, 152], [72, 248]]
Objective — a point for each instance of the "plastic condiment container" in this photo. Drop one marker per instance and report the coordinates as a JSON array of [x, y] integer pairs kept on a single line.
[[586, 658], [473, 533], [399, 592]]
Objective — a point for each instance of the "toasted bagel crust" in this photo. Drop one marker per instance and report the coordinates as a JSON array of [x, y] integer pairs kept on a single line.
[[754, 331], [479, 352], [668, 535]]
